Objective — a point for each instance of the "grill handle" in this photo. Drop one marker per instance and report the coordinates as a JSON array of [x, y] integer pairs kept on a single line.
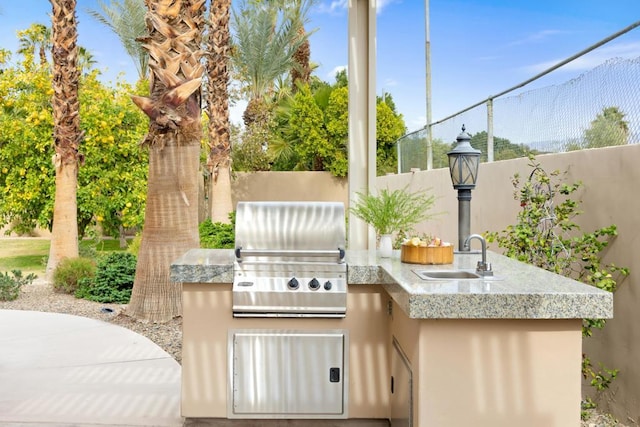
[[340, 253]]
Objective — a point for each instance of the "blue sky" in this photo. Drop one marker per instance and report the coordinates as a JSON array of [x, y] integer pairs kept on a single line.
[[478, 48]]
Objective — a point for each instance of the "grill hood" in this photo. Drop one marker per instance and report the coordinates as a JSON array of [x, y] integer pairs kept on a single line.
[[304, 231]]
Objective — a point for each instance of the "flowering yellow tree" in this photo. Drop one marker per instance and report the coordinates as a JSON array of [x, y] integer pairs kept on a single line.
[[111, 183]]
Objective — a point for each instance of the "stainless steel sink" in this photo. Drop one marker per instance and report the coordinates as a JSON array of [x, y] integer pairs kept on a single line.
[[447, 275]]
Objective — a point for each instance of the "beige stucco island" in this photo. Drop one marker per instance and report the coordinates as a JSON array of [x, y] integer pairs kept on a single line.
[[501, 351]]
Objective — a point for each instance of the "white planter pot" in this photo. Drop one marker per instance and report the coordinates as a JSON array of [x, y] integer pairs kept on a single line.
[[386, 246]]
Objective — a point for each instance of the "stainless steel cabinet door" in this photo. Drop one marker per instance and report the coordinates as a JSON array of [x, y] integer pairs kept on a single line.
[[288, 374], [401, 388]]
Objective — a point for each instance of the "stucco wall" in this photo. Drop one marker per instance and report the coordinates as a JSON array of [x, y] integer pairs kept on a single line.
[[610, 177], [502, 372]]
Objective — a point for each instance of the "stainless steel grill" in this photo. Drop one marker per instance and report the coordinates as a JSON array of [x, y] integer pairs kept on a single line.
[[290, 260]]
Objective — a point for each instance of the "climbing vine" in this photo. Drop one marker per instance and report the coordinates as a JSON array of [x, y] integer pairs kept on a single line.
[[546, 235]]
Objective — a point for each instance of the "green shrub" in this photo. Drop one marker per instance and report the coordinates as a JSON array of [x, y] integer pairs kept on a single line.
[[217, 235], [69, 272], [134, 245], [113, 281], [10, 286]]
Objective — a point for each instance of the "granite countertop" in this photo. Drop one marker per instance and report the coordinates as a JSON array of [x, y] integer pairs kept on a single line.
[[518, 290], [204, 266]]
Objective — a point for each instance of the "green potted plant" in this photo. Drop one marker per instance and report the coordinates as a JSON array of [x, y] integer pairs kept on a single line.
[[392, 211]]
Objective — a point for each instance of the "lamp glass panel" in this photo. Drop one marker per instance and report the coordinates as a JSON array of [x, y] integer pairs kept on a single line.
[[463, 169], [470, 169], [453, 170]]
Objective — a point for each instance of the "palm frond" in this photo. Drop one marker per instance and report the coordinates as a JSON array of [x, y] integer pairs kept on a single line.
[[264, 43], [126, 18]]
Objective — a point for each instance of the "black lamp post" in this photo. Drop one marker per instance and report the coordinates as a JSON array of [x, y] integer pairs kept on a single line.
[[463, 167]]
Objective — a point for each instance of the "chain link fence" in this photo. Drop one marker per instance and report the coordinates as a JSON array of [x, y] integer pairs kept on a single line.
[[600, 108]]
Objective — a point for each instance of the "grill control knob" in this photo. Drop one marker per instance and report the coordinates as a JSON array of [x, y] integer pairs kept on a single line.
[[327, 285], [293, 283], [314, 284]]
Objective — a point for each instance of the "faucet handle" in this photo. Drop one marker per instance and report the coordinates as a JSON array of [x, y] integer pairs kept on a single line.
[[484, 269]]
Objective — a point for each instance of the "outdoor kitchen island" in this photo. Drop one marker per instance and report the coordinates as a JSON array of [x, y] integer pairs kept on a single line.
[[499, 352]]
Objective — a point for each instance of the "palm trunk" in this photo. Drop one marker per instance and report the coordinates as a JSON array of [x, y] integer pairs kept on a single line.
[[64, 234], [122, 237], [218, 107], [66, 133], [171, 214], [170, 230], [220, 196], [301, 72]]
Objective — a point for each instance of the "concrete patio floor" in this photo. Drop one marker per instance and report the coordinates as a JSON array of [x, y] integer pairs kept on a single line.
[[63, 370]]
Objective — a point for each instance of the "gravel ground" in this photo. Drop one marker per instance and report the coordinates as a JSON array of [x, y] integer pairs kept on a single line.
[[39, 296]]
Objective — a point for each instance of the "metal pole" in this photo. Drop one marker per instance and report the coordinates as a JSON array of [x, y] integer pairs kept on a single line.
[[427, 48], [490, 130], [464, 218], [399, 150]]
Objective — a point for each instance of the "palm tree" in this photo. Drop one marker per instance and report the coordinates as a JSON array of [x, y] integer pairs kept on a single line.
[[171, 214], [265, 41], [37, 36], [297, 11], [85, 60], [126, 19], [218, 161], [66, 133]]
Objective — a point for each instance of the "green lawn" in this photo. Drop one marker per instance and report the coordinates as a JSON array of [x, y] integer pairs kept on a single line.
[[28, 254], [25, 254]]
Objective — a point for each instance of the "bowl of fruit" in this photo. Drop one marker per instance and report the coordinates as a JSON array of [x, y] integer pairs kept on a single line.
[[428, 250]]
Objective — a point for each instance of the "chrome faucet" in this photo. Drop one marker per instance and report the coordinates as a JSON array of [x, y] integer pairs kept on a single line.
[[483, 268]]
